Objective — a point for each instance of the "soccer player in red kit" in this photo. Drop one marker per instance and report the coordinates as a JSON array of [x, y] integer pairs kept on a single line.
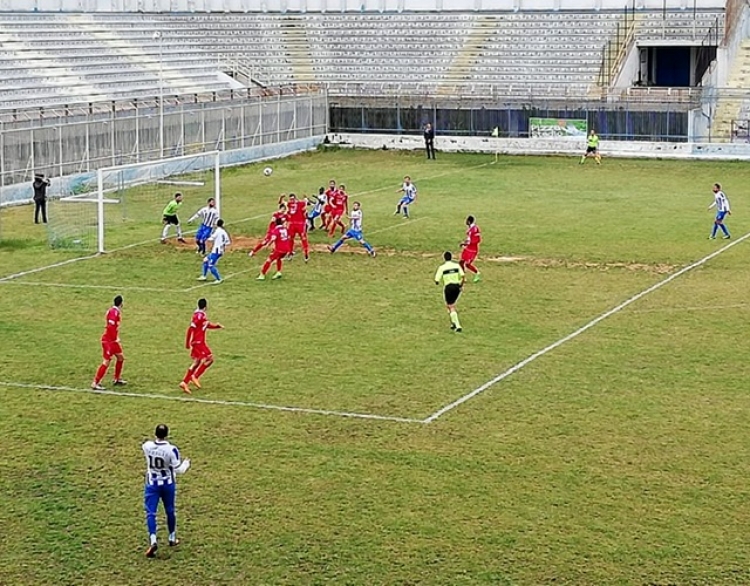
[[282, 246], [195, 341], [471, 248], [283, 214], [298, 223], [111, 347], [327, 209], [339, 206]]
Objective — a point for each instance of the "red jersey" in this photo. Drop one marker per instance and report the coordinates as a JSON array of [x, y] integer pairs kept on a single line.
[[330, 192], [338, 200], [196, 333], [473, 237], [297, 211], [281, 241], [112, 329]]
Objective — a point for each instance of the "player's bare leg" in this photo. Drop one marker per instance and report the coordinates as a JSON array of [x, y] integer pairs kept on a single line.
[[119, 363], [101, 371]]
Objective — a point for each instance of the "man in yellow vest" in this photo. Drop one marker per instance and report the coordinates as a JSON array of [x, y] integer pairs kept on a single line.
[[592, 148]]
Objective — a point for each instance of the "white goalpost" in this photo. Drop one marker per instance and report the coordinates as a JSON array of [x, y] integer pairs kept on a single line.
[[124, 207]]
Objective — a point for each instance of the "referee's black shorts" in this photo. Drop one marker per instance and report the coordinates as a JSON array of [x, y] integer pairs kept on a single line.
[[451, 292], [171, 220]]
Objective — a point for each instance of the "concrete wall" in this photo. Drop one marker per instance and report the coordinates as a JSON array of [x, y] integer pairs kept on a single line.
[[538, 146], [339, 5]]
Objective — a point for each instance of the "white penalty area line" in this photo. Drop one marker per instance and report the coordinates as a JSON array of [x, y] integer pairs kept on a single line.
[[579, 331], [100, 287], [190, 399], [401, 225]]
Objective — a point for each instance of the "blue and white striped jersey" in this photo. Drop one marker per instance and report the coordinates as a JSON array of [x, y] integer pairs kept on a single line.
[[162, 458], [208, 216], [355, 219], [721, 201], [220, 239]]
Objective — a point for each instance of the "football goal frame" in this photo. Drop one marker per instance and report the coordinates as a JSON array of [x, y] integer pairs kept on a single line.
[[138, 174]]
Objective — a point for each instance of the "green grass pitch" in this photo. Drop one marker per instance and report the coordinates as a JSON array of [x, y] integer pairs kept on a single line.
[[619, 457]]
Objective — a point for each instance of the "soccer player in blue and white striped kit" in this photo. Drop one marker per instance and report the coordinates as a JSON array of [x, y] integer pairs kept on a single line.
[[721, 203], [162, 465], [221, 240], [208, 215], [354, 231], [410, 196]]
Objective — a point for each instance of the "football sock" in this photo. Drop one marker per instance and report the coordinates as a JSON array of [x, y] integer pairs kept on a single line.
[[202, 367], [406, 211], [118, 369], [205, 267], [188, 375], [305, 245], [724, 229], [179, 231], [215, 273], [278, 265], [336, 246], [471, 267], [173, 536], [583, 159], [454, 319], [713, 232], [171, 521], [102, 370], [367, 246], [152, 537], [265, 267], [165, 231]]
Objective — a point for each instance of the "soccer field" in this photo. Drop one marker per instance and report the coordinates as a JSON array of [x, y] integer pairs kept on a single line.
[[588, 426]]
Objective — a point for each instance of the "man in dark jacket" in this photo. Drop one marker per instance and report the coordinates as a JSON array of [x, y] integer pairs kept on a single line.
[[429, 141], [40, 197]]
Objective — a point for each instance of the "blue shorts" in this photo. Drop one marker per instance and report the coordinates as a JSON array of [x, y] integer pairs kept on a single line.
[[153, 494], [203, 232], [213, 258], [406, 200], [356, 234], [720, 216]]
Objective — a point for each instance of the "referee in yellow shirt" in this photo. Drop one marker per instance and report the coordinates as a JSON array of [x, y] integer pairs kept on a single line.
[[452, 276]]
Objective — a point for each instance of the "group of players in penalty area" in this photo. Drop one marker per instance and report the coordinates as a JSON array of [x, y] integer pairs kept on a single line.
[[294, 217]]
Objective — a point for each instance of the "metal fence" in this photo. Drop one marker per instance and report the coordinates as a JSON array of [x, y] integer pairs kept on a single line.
[[70, 144]]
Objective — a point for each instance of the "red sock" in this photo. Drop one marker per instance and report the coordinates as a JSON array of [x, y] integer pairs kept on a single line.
[[202, 367], [258, 246], [278, 265], [305, 245], [471, 267], [118, 369], [266, 266], [100, 373], [188, 375]]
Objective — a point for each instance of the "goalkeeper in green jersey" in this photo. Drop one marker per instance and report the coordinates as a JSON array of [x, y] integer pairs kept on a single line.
[[169, 218]]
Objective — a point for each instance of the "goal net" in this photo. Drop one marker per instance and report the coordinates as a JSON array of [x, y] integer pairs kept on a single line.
[[122, 206]]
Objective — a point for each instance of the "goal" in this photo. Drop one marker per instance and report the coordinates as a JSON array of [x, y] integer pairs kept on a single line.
[[121, 206]]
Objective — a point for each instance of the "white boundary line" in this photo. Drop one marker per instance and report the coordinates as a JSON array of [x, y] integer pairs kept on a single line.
[[579, 331], [185, 399], [691, 308], [407, 223], [40, 269]]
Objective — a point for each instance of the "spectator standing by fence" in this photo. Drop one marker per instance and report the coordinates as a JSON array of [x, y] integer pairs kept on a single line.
[[40, 185], [429, 140]]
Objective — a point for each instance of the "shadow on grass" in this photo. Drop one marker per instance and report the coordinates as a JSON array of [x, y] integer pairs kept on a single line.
[[18, 244]]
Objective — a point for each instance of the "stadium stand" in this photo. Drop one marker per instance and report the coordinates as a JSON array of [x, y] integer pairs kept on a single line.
[[55, 58]]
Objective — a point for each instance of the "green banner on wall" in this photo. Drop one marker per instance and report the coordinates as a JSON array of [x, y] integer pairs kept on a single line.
[[557, 128]]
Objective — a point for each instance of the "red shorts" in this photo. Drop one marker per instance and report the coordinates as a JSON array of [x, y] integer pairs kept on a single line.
[[277, 254], [297, 229], [200, 351], [336, 213], [327, 209], [469, 254], [109, 349]]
